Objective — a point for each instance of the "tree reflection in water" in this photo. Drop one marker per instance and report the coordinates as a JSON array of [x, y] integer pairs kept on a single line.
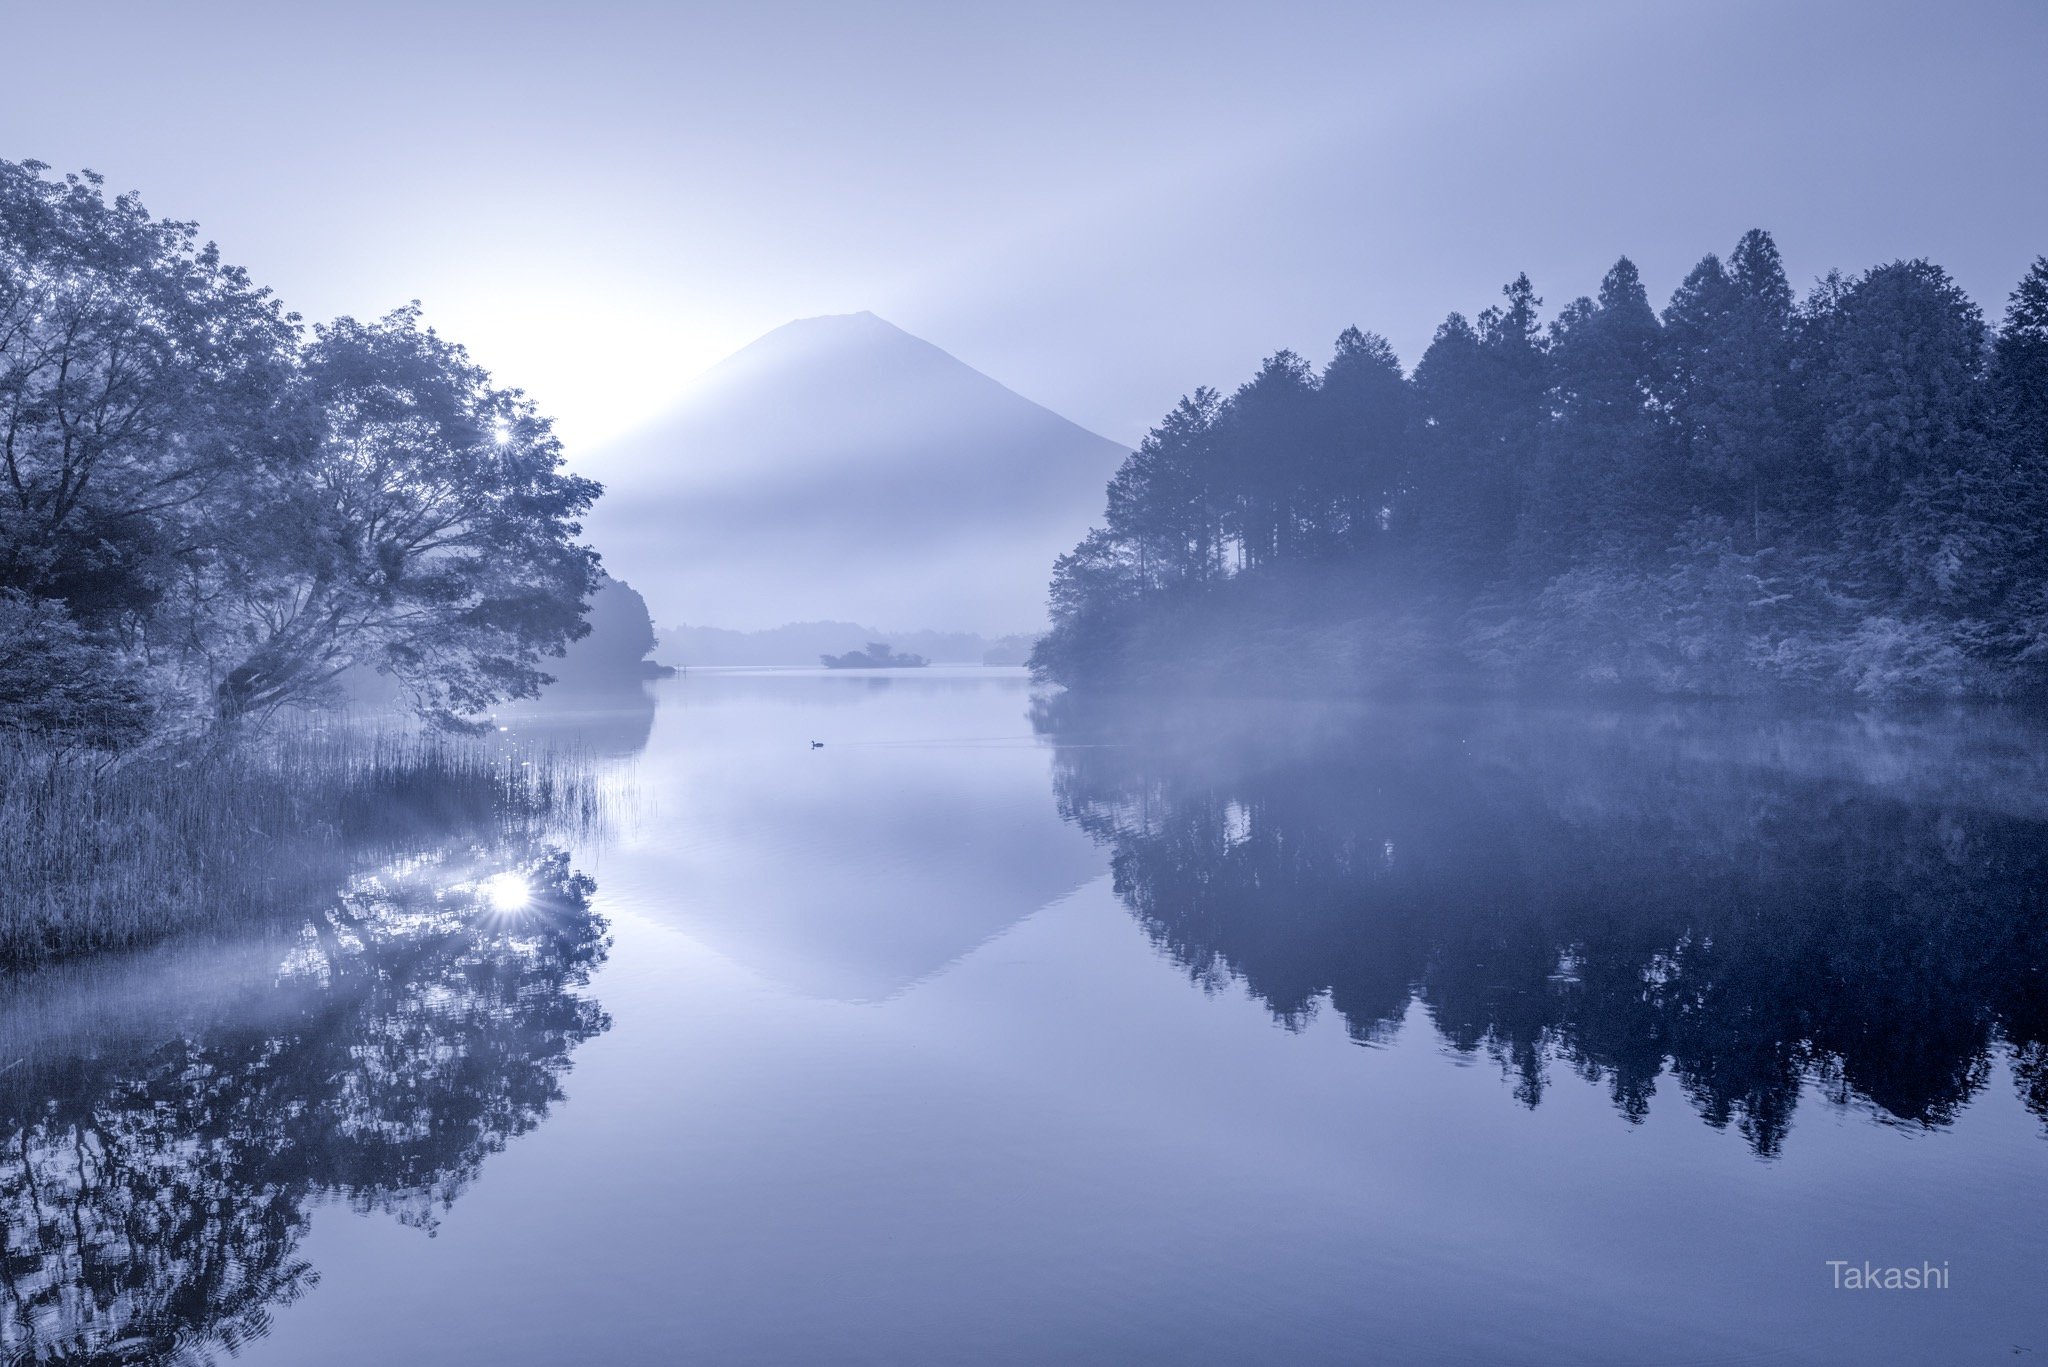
[[1745, 905], [168, 1120]]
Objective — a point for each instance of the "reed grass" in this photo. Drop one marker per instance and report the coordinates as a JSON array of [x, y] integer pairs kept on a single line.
[[96, 854]]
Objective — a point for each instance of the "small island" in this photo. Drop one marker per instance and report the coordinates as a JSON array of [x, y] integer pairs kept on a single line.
[[876, 656]]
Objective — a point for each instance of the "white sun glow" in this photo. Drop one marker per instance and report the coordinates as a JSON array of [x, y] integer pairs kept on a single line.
[[507, 892]]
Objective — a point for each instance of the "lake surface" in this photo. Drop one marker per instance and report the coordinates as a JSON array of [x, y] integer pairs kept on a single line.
[[1004, 1029]]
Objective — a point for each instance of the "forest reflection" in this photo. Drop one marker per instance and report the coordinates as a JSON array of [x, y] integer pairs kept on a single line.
[[169, 1119], [1749, 907]]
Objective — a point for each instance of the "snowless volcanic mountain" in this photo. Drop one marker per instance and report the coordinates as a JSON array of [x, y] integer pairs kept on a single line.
[[841, 468]]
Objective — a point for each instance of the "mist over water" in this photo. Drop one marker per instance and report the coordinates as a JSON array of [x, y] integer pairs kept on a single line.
[[1710, 908], [1007, 1027], [1318, 685]]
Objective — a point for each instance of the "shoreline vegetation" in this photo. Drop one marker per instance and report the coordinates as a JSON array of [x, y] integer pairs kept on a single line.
[[877, 655], [801, 643], [216, 523], [97, 854], [210, 512], [1746, 495]]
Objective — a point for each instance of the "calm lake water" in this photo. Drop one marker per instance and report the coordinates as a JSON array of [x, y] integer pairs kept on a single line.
[[1007, 1030]]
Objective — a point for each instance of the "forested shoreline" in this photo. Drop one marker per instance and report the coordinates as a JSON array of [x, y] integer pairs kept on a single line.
[[211, 515], [1749, 493], [209, 511]]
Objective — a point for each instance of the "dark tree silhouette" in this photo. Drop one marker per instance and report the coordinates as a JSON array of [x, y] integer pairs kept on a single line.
[[1727, 902], [206, 514], [1744, 495], [157, 1183]]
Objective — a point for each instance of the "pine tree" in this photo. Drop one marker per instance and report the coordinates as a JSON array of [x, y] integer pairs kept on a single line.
[[2019, 399], [1849, 494], [1600, 486], [1166, 501], [1369, 420], [1901, 398], [1269, 432], [2019, 374], [1730, 385], [1481, 396]]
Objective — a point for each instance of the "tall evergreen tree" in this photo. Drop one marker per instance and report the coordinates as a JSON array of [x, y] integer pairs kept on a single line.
[[2019, 418], [2020, 369], [1166, 500], [1730, 387], [1370, 421], [1270, 433], [1600, 486], [1481, 396], [1901, 399]]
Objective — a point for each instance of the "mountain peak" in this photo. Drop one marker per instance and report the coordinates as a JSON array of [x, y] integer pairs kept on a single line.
[[842, 467], [863, 321], [804, 341]]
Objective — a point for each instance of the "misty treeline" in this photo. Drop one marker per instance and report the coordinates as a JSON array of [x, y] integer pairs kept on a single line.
[[1747, 493], [209, 510]]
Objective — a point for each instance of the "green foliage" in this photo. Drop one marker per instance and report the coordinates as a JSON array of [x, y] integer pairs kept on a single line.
[[207, 514], [1097, 591], [138, 376], [2020, 369], [1739, 496], [424, 532], [54, 681]]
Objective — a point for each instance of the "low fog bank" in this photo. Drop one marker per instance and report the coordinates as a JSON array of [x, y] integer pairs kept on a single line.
[[802, 643]]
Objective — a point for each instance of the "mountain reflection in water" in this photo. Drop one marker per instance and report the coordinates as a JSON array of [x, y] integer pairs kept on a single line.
[[907, 1067], [168, 1119], [1743, 906]]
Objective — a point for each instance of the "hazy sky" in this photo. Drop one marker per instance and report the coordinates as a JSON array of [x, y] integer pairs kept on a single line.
[[1102, 205]]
